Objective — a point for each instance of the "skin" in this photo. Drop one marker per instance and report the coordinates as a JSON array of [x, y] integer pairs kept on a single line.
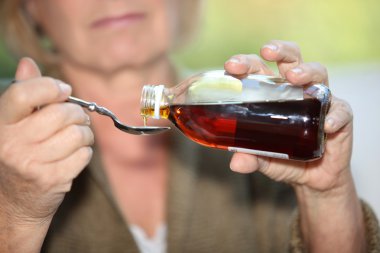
[[35, 173], [324, 186], [72, 26], [117, 68], [42, 151]]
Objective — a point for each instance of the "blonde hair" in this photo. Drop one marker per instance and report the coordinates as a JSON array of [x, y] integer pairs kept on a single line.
[[23, 38]]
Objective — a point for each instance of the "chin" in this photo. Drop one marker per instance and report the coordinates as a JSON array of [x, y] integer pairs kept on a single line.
[[114, 61]]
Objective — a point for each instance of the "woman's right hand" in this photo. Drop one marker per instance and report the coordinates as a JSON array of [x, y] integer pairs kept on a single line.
[[41, 150]]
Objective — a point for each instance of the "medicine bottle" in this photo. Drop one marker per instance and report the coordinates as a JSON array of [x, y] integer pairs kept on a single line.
[[254, 114]]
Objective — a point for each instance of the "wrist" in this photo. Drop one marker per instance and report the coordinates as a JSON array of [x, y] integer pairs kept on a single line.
[[331, 220], [27, 237], [21, 234], [314, 204]]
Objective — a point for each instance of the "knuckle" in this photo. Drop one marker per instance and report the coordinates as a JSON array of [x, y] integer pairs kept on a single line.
[[28, 169], [344, 107], [47, 180], [76, 134], [14, 159], [71, 110], [77, 110], [291, 49], [256, 61], [240, 57], [88, 136], [10, 154], [18, 94], [91, 136], [291, 45], [318, 66], [295, 46], [83, 157], [254, 57], [56, 113], [68, 111], [22, 165], [52, 86], [348, 109], [86, 153], [71, 113]]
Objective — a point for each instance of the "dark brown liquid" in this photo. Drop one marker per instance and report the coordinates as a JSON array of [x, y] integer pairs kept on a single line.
[[291, 127]]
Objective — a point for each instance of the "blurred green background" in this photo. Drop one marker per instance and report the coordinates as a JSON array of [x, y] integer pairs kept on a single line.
[[328, 31], [331, 32]]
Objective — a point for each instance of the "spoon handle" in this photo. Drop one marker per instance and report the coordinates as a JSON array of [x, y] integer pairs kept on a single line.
[[88, 105], [91, 106]]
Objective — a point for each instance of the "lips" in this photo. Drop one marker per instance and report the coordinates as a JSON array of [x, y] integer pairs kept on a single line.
[[118, 21]]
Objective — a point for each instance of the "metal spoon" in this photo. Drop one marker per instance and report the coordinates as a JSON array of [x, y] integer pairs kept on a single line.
[[93, 107]]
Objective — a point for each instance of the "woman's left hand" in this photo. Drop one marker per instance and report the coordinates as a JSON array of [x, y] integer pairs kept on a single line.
[[331, 218], [324, 174]]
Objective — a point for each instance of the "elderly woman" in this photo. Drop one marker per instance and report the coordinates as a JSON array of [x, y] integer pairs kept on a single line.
[[152, 193]]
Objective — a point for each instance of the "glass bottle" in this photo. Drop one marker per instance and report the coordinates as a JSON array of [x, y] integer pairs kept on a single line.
[[254, 114]]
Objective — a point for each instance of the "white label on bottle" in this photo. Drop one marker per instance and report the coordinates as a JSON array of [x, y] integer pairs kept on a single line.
[[158, 90], [259, 152]]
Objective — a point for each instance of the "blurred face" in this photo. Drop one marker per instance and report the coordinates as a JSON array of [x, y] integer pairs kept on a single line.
[[107, 35]]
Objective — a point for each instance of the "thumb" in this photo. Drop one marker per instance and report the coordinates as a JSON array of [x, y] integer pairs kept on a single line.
[[27, 69]]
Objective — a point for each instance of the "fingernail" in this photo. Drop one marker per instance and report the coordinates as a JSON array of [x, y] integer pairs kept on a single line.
[[271, 47], [297, 70], [64, 87]]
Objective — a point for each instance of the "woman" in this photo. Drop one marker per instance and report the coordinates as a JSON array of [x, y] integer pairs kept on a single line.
[[151, 192]]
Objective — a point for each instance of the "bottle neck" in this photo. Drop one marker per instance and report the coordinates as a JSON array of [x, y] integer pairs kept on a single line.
[[153, 102]]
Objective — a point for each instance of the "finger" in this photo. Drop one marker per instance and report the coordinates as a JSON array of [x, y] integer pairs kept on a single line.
[[27, 69], [69, 168], [66, 170], [53, 118], [286, 54], [307, 73], [21, 99], [244, 163], [64, 143], [246, 64], [339, 115]]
